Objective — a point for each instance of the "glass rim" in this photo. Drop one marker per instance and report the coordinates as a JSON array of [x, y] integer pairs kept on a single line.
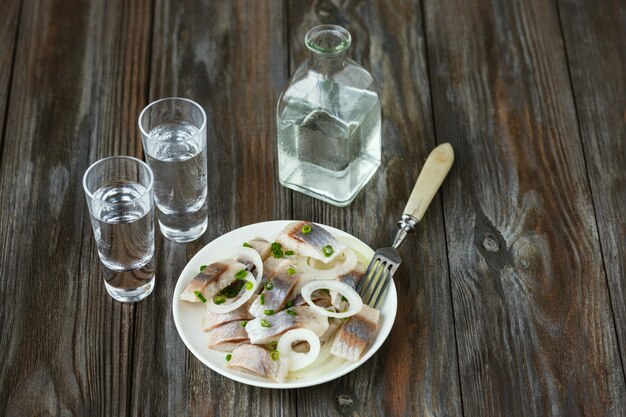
[[339, 31], [90, 195], [147, 135]]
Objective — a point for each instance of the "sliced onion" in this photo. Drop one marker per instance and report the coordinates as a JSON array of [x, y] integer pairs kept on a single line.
[[298, 360], [245, 294], [316, 364], [337, 270], [323, 365], [342, 288]]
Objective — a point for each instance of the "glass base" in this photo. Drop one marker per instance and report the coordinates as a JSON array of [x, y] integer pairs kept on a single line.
[[339, 191], [184, 236], [126, 295], [321, 197]]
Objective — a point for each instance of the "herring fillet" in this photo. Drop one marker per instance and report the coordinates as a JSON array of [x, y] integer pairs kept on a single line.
[[356, 334], [212, 279], [310, 244], [283, 286], [262, 246], [280, 322], [258, 361], [273, 267], [227, 336], [212, 320]]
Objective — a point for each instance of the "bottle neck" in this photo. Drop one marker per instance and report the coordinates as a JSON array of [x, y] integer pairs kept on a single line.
[[329, 47], [327, 65]]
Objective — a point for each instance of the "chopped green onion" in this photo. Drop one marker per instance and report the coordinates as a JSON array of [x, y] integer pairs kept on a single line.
[[268, 312], [328, 250], [278, 254], [249, 285], [276, 246], [229, 357], [246, 245], [326, 290], [262, 299], [265, 323], [219, 300], [291, 271], [306, 229], [228, 292], [203, 267], [289, 304], [200, 296], [343, 298], [273, 344], [241, 274], [244, 323], [275, 355], [291, 312], [269, 286], [288, 252]]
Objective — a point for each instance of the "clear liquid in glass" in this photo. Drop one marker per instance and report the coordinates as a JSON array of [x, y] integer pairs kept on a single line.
[[180, 180], [124, 235]]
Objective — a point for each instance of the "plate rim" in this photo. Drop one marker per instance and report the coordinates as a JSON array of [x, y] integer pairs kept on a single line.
[[390, 297]]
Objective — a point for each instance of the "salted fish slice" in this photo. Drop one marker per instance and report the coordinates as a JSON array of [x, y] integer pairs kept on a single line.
[[333, 326], [227, 336], [283, 286], [309, 244], [258, 361], [212, 320], [262, 246], [353, 277], [356, 334], [212, 279], [280, 322]]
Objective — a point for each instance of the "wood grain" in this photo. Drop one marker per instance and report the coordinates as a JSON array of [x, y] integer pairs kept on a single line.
[[595, 36], [415, 372], [64, 344], [9, 25], [533, 320], [230, 58]]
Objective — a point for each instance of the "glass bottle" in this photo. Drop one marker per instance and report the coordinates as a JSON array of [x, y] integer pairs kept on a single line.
[[328, 122]]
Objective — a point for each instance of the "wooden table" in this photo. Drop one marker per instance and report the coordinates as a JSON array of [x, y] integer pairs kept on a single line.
[[513, 291]]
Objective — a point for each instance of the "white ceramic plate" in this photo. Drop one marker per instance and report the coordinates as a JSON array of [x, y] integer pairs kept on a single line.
[[188, 316]]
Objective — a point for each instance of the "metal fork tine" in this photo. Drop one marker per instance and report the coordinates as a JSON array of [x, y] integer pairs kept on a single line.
[[368, 271], [386, 278], [370, 276], [380, 275]]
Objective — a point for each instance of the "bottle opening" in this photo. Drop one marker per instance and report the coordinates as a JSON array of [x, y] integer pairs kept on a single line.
[[328, 39]]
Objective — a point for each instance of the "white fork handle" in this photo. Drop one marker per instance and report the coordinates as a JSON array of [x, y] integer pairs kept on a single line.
[[429, 180]]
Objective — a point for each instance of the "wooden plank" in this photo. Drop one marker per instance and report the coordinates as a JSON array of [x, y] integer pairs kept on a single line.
[[415, 372], [9, 25], [230, 57], [595, 39], [533, 321], [64, 343]]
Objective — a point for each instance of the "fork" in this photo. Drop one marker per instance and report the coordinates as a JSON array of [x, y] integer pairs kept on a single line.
[[386, 260]]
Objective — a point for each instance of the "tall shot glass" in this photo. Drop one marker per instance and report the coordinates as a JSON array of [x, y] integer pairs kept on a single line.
[[119, 197], [173, 131]]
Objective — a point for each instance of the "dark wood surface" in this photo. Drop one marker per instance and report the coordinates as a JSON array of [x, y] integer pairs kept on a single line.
[[512, 293]]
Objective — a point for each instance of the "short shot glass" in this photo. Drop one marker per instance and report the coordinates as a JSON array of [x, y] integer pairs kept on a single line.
[[120, 201]]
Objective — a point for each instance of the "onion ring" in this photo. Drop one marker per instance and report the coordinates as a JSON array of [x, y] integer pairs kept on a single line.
[[342, 288], [299, 360], [245, 294]]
